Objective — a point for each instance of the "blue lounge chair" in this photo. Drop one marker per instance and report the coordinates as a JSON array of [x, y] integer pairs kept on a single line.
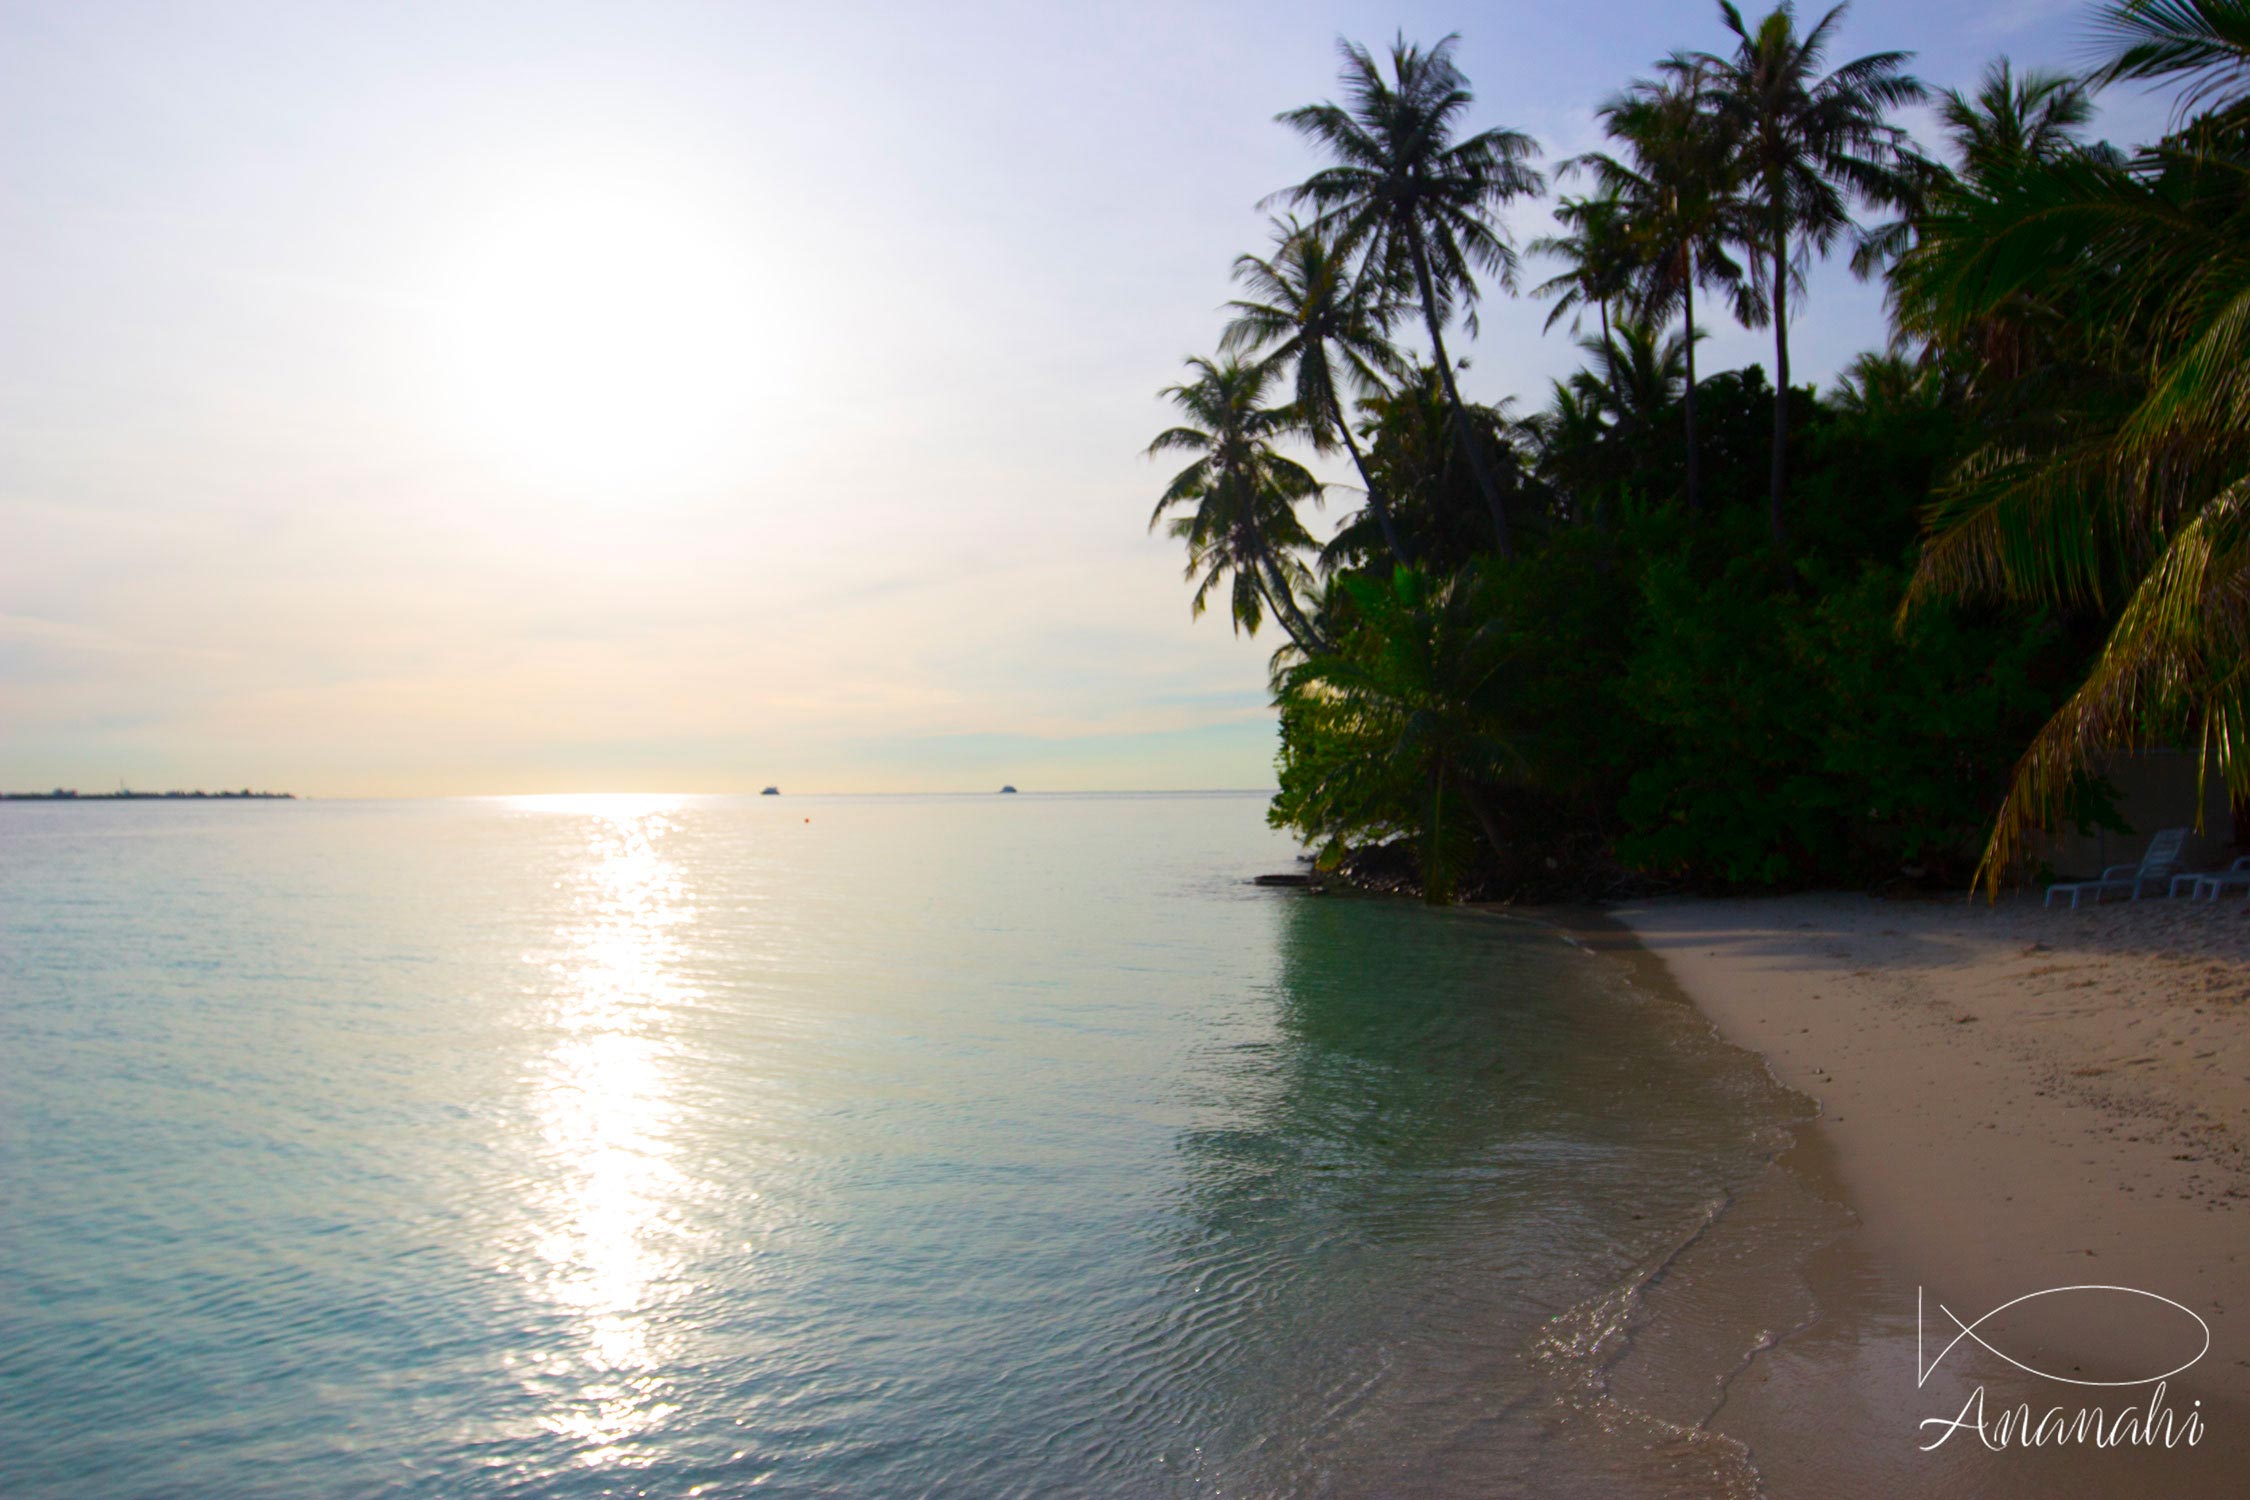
[[2157, 867], [2213, 883]]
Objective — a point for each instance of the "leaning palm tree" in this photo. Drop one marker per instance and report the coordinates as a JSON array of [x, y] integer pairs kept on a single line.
[[1419, 201], [1679, 181], [1240, 496], [2145, 495], [2202, 47], [1329, 329], [1810, 142]]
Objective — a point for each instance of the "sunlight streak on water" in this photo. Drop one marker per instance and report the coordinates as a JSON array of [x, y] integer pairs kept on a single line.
[[607, 1215], [569, 1148]]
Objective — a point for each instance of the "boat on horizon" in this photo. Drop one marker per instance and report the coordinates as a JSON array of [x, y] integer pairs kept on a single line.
[[771, 791]]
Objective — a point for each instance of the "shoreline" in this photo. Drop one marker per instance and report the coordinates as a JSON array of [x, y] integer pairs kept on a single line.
[[2005, 1100]]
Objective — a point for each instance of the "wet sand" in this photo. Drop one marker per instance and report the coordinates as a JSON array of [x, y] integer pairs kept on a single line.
[[2009, 1100]]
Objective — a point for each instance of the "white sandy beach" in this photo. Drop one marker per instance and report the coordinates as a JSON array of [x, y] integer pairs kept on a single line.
[[2014, 1098]]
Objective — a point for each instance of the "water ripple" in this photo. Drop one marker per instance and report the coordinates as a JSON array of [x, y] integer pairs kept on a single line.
[[592, 1146]]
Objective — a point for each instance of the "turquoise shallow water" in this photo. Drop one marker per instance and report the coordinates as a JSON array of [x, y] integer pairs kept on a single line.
[[818, 1146]]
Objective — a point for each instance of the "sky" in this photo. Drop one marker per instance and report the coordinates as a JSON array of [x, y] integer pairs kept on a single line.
[[483, 398]]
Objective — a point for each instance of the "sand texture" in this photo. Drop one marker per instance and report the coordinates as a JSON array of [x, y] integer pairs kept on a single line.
[[2010, 1099]]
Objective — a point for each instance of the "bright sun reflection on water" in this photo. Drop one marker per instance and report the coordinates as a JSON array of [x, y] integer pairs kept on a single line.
[[606, 1208]]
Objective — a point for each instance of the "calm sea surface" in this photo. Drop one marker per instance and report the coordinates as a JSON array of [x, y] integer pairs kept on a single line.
[[870, 1147]]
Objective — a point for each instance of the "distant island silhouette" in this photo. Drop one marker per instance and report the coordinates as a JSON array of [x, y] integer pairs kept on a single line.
[[72, 794]]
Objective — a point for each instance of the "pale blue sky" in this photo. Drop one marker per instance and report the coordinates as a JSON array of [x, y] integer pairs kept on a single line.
[[486, 398]]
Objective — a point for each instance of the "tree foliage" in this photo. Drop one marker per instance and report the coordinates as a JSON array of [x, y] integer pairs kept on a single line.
[[1568, 646]]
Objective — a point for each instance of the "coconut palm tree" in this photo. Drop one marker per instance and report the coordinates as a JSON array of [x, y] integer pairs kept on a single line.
[[1308, 314], [1678, 179], [2145, 492], [2014, 118], [1599, 259], [2011, 121], [2012, 124], [2202, 47], [1240, 495], [1647, 371], [1881, 382], [1809, 141], [1570, 442], [1420, 201]]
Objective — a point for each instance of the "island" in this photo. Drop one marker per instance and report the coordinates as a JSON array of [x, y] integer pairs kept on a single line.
[[771, 791], [1007, 791], [72, 794]]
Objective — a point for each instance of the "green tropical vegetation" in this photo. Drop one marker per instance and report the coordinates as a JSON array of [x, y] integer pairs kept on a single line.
[[1718, 629]]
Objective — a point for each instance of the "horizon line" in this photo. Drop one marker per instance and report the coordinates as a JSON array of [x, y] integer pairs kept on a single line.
[[236, 796]]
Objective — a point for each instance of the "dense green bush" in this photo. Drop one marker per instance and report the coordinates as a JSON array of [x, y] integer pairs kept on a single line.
[[1806, 738], [1665, 695], [1682, 624]]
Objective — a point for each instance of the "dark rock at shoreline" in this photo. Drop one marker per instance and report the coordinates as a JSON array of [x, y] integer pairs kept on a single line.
[[1569, 869]]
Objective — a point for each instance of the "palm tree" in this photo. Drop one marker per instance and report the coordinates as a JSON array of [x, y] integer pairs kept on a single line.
[[1809, 142], [1884, 382], [2145, 491], [1678, 182], [1647, 371], [2012, 121], [1570, 441], [2014, 124], [1330, 330], [1599, 261], [2201, 45], [1242, 530], [1417, 200]]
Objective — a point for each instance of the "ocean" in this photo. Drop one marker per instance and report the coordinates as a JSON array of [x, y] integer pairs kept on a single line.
[[843, 1146]]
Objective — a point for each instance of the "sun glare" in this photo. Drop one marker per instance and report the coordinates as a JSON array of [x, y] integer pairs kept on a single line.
[[599, 336]]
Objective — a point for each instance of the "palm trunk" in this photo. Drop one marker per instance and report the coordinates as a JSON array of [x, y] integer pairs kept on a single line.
[[1283, 603], [1375, 500], [1687, 402], [1609, 357], [1280, 617], [1437, 881], [1480, 807], [1471, 449], [1616, 398], [1781, 377]]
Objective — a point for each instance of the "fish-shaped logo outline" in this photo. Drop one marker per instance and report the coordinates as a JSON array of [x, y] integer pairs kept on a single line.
[[1969, 1331]]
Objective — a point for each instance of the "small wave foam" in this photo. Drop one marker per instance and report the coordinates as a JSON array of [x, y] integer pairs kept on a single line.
[[1641, 1369], [1645, 1365]]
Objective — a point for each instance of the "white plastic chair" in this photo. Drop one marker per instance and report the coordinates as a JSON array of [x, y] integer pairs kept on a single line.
[[2157, 867], [2214, 882]]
